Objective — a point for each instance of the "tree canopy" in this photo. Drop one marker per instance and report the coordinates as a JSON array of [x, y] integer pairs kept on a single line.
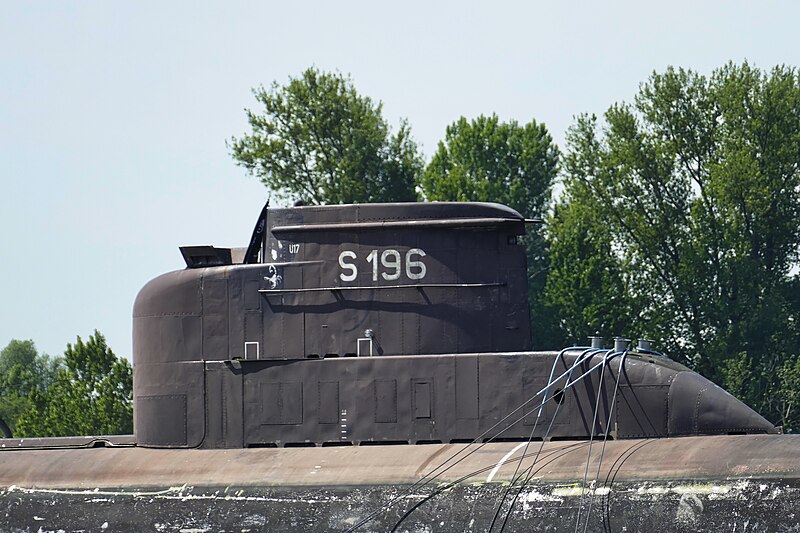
[[23, 371], [90, 395], [691, 197], [319, 141], [486, 160], [586, 288]]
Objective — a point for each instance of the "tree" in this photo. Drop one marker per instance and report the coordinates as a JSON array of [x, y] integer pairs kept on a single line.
[[22, 372], [486, 160], [317, 140], [698, 185], [586, 288], [90, 395]]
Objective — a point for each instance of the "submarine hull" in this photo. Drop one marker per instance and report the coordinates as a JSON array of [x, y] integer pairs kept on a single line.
[[711, 483], [369, 368]]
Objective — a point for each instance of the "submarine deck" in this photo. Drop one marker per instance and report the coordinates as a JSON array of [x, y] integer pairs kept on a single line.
[[718, 483], [686, 458]]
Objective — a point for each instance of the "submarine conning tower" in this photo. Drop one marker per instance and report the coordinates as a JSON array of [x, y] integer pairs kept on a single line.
[[384, 323]]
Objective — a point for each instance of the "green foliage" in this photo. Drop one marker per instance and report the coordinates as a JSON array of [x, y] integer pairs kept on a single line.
[[90, 395], [23, 371], [319, 141], [698, 188], [788, 393], [678, 219], [586, 288], [485, 160]]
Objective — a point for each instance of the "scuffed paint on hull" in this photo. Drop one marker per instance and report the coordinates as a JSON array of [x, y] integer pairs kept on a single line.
[[736, 505]]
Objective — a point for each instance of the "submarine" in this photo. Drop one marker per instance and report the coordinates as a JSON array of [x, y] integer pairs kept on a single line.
[[368, 367]]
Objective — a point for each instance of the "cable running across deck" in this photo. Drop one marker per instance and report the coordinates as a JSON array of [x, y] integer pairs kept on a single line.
[[586, 355]]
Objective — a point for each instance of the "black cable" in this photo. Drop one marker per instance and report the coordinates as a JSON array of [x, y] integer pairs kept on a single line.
[[608, 354], [439, 491], [567, 449], [566, 387], [420, 484], [586, 354], [430, 476], [600, 386], [605, 438], [527, 473], [613, 470]]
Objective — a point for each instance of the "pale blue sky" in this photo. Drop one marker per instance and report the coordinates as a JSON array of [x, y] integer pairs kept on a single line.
[[114, 115]]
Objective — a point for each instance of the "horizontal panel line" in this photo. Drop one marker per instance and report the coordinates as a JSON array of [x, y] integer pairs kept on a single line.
[[383, 287], [441, 223]]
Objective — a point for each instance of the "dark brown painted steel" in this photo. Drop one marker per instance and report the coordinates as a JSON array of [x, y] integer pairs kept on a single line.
[[416, 286], [432, 297], [690, 458], [460, 223]]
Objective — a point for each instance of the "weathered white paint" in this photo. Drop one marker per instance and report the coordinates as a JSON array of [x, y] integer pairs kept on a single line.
[[502, 461]]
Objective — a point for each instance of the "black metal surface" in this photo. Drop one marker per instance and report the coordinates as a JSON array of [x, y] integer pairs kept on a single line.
[[205, 256], [385, 323], [257, 238], [394, 324]]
